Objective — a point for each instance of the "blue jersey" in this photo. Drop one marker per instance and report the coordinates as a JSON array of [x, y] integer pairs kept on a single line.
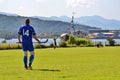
[[27, 32]]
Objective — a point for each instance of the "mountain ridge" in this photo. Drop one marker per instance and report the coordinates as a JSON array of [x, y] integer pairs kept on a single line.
[[96, 21], [9, 25], [65, 18]]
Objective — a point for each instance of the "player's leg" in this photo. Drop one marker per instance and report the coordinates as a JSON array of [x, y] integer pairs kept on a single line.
[[25, 59], [31, 59], [55, 44]]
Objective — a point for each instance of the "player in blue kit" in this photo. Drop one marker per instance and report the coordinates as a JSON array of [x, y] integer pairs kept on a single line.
[[27, 32]]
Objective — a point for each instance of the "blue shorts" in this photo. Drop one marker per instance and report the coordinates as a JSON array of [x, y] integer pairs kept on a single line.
[[27, 47]]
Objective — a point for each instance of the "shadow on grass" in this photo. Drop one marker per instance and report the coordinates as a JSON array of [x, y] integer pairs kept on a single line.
[[68, 76], [49, 70]]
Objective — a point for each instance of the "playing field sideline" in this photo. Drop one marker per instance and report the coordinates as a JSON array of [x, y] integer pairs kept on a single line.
[[63, 64]]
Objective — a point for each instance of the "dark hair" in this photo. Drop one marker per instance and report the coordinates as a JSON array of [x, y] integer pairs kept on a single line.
[[27, 21]]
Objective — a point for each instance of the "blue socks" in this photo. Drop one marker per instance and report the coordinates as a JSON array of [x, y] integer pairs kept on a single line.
[[25, 61], [31, 60]]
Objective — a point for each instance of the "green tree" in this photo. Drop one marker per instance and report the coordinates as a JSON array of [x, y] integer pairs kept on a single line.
[[71, 40], [4, 41], [111, 41]]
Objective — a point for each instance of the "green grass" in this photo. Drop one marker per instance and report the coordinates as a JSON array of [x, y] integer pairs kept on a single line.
[[63, 64]]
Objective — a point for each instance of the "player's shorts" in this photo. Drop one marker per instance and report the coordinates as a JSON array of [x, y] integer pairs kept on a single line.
[[27, 47]]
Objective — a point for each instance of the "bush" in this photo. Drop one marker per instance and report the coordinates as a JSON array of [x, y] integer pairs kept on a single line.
[[15, 46], [51, 45], [40, 46], [63, 44], [4, 46], [117, 45], [99, 45], [4, 41], [111, 41], [82, 41], [71, 40]]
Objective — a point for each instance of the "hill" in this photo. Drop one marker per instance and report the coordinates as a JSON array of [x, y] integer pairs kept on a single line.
[[96, 21], [99, 21], [10, 24]]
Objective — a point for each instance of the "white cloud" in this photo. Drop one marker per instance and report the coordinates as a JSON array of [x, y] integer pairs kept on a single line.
[[24, 11], [21, 10], [39, 0], [1, 1], [80, 3]]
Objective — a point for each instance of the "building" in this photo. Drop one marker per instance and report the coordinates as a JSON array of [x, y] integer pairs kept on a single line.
[[104, 34]]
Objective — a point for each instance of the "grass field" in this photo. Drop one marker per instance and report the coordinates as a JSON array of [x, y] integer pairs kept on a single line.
[[63, 64]]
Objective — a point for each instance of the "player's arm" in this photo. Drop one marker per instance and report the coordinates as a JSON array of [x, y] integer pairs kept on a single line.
[[36, 38], [19, 38], [19, 33]]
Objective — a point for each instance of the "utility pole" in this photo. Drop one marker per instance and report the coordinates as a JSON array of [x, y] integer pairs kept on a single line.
[[72, 22]]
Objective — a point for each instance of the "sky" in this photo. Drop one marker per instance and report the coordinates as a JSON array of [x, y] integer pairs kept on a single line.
[[108, 9]]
